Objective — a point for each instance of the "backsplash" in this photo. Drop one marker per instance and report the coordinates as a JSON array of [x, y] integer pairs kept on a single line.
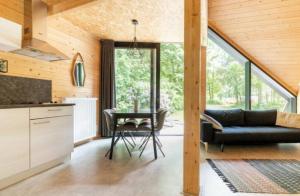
[[20, 90]]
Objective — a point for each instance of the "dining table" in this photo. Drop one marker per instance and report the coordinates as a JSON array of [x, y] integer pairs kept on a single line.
[[127, 114]]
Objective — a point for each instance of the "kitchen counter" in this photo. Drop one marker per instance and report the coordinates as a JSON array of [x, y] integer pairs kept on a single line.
[[36, 137], [34, 105]]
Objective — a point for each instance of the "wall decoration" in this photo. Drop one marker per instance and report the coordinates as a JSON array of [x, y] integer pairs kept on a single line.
[[78, 70], [3, 66]]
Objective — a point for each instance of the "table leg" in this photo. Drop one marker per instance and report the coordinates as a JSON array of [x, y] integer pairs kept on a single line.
[[153, 136], [113, 139]]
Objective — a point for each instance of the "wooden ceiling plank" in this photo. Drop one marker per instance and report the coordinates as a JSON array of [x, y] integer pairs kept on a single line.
[[159, 21]]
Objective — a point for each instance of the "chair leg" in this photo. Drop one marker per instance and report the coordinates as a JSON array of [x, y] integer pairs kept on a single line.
[[132, 145], [158, 141], [126, 145], [145, 145], [222, 147], [144, 141], [114, 145], [159, 147], [132, 138]]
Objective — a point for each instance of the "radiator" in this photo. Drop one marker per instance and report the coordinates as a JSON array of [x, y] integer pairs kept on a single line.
[[85, 125]]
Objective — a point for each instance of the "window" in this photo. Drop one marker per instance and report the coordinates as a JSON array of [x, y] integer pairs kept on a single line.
[[232, 81], [136, 78], [132, 79], [171, 79], [267, 94], [225, 76]]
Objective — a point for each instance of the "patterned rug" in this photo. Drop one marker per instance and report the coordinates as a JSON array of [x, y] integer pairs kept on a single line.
[[259, 176]]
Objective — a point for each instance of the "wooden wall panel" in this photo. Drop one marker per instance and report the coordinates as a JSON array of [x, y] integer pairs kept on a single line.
[[70, 40], [268, 30]]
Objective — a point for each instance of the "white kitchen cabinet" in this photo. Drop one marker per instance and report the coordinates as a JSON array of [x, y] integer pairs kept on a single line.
[[51, 138], [45, 112], [14, 141]]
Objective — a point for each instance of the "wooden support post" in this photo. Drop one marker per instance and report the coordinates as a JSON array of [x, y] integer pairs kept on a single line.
[[192, 62], [298, 100]]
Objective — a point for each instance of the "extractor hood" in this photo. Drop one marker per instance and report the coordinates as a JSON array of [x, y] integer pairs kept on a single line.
[[34, 41]]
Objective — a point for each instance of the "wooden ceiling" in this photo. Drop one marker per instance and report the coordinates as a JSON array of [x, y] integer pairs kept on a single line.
[[268, 30], [159, 21]]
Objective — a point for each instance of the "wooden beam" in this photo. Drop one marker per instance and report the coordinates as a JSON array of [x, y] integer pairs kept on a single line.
[[63, 5], [192, 62], [254, 60]]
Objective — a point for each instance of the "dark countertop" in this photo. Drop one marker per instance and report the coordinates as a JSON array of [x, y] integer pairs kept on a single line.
[[35, 105]]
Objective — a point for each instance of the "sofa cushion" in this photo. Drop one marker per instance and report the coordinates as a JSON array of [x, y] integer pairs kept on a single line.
[[272, 134], [260, 117], [234, 117]]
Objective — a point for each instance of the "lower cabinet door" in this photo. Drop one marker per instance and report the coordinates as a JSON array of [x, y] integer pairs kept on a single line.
[[51, 138], [14, 141]]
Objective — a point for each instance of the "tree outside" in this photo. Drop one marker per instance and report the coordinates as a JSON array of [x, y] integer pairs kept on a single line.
[[225, 79], [226, 84], [264, 97], [171, 79], [132, 79]]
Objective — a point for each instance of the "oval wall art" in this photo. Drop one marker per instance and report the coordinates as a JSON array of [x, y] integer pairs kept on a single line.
[[78, 70]]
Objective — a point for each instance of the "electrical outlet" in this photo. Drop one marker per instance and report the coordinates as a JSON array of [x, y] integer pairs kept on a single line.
[[3, 66]]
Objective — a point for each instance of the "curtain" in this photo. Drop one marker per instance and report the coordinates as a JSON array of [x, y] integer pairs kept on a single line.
[[107, 83]]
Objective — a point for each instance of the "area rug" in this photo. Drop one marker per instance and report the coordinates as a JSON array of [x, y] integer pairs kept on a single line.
[[259, 176]]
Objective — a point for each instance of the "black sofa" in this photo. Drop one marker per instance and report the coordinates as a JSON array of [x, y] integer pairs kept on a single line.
[[241, 127]]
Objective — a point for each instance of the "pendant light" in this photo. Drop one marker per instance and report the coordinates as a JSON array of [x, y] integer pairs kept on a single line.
[[134, 51]]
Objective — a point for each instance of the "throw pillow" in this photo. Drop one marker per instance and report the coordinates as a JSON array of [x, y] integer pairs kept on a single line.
[[288, 120], [214, 122]]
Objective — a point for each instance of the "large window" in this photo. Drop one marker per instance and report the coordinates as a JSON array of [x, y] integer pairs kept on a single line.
[[135, 77], [232, 81], [225, 79], [171, 79], [267, 94], [132, 79]]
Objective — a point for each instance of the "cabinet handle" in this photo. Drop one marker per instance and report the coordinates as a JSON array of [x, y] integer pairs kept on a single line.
[[54, 110], [39, 123]]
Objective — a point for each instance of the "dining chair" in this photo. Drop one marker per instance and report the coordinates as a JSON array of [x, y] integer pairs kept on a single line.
[[121, 128], [145, 126]]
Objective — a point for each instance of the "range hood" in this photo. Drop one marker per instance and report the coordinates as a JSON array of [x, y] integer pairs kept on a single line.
[[34, 41]]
